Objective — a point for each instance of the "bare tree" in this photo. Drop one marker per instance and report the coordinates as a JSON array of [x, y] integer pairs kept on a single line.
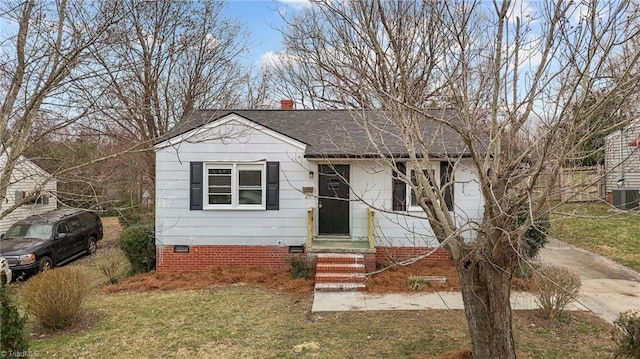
[[518, 80], [165, 59], [43, 66]]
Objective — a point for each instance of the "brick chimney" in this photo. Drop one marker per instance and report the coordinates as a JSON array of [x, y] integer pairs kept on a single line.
[[286, 104]]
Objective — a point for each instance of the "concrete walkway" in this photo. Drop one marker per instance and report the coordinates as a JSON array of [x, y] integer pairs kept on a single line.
[[608, 288], [359, 301]]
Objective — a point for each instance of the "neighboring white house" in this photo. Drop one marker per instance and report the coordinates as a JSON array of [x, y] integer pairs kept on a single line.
[[248, 187], [27, 178], [622, 158]]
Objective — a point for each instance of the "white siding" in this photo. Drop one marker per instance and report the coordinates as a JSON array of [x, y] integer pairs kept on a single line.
[[176, 224], [26, 177], [622, 160], [373, 184]]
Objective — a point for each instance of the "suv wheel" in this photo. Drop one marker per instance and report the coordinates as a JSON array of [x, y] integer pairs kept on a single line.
[[92, 246], [45, 264]]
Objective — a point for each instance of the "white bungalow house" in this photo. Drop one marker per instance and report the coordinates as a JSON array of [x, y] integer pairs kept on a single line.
[[33, 188], [622, 160], [250, 187]]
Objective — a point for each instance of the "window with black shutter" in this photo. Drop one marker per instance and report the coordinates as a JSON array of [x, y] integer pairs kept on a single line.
[[446, 183], [195, 179], [273, 185], [252, 185], [399, 190]]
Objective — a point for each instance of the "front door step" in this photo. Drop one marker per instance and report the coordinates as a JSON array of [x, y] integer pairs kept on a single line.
[[340, 272], [339, 246]]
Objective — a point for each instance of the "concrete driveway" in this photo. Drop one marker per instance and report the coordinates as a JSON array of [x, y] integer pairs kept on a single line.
[[608, 288]]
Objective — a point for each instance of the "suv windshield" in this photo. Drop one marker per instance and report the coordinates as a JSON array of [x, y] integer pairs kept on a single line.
[[39, 231]]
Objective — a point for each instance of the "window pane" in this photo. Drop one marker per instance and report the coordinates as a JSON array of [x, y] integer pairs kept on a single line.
[[220, 180], [220, 199], [250, 178], [250, 196], [219, 185], [220, 171], [220, 189], [414, 180]]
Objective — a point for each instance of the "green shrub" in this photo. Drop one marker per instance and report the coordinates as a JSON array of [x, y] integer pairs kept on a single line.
[[131, 213], [55, 297], [138, 244], [627, 335], [536, 235], [12, 335], [300, 267], [554, 288]]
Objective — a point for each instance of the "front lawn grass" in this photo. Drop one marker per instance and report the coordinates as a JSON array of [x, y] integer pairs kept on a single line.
[[600, 229], [244, 321]]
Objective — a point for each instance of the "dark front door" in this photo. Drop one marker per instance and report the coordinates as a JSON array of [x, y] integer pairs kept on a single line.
[[333, 204]]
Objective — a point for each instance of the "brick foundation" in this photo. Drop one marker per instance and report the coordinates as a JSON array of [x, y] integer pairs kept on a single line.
[[200, 258], [388, 254]]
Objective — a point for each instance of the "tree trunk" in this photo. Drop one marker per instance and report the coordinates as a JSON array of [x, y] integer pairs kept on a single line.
[[486, 289]]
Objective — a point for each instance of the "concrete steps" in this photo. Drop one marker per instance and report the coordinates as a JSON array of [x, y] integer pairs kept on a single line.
[[337, 272]]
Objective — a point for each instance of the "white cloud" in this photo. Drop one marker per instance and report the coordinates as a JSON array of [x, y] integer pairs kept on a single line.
[[275, 59], [296, 4], [579, 13], [269, 58], [212, 43]]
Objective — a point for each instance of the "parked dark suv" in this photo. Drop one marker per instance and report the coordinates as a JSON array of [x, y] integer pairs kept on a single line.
[[46, 240]]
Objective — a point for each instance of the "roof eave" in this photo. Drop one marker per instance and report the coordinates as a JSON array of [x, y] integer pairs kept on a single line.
[[312, 156]]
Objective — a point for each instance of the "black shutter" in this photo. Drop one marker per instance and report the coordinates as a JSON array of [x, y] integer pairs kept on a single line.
[[273, 185], [195, 179], [447, 181], [399, 188]]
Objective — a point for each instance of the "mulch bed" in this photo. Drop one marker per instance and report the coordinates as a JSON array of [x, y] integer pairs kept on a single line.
[[277, 279], [392, 280]]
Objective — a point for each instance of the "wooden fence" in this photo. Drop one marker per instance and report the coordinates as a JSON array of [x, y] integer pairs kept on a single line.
[[578, 184]]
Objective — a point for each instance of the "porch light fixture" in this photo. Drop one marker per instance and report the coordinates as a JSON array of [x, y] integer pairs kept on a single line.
[[310, 174]]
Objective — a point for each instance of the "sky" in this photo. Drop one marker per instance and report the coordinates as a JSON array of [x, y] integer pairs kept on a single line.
[[261, 20]]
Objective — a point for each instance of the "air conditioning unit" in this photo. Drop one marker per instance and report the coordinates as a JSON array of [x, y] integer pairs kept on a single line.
[[625, 198]]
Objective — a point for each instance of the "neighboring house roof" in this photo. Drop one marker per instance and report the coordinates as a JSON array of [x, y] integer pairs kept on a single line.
[[339, 133], [630, 130], [33, 168]]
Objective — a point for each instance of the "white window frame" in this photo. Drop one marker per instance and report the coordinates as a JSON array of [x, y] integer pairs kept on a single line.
[[436, 174], [235, 167]]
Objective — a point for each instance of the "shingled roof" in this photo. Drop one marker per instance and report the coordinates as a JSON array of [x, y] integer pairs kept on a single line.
[[340, 133]]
